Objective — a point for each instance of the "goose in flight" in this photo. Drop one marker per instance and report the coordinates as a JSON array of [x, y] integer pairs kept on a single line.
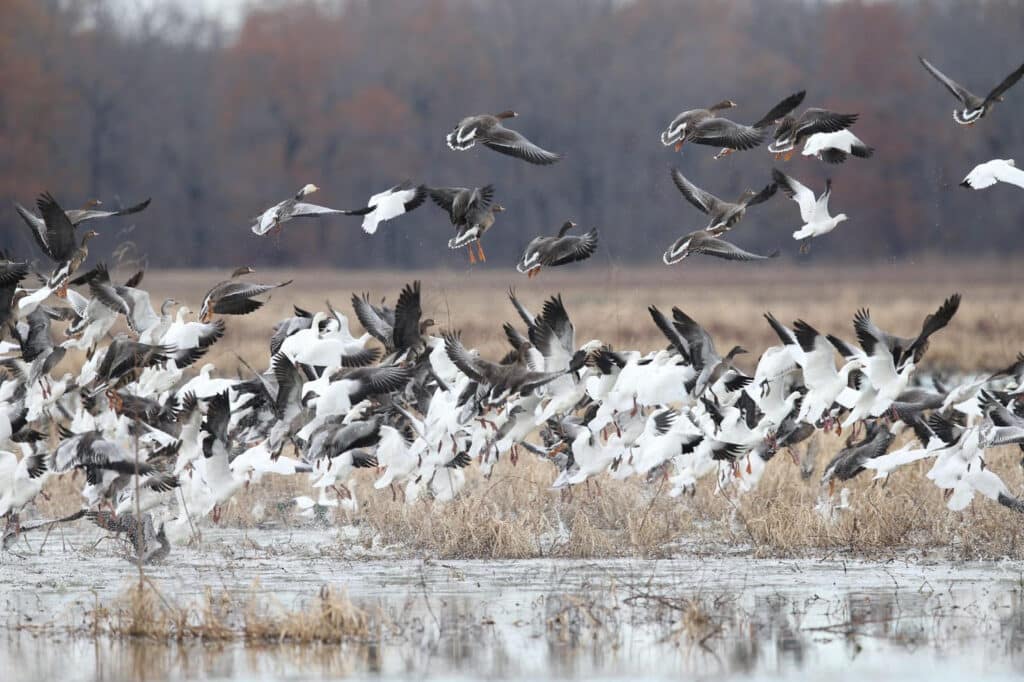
[[471, 212], [295, 207], [234, 297], [390, 203], [489, 131], [836, 147], [722, 215], [708, 243], [55, 236], [986, 174], [561, 249], [814, 212], [792, 131], [77, 216], [705, 126], [975, 107]]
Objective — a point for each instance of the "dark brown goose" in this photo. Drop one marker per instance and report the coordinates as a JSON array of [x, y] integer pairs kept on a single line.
[[975, 107], [489, 131]]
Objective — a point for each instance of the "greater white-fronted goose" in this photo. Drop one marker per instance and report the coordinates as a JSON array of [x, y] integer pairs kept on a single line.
[[708, 243], [235, 297], [722, 215], [813, 211], [792, 131], [561, 249], [294, 207], [55, 236], [471, 212], [975, 107], [986, 174], [77, 216], [705, 126], [489, 131]]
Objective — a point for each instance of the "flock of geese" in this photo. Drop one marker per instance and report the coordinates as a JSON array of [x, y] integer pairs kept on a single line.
[[161, 446], [824, 135]]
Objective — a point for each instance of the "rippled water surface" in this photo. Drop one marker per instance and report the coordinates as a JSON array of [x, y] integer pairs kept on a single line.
[[724, 617]]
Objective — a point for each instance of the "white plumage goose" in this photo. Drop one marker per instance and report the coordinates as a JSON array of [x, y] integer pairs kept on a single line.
[[813, 211], [986, 174]]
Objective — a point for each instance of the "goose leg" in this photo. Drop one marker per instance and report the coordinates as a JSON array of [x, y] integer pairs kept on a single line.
[[480, 249], [679, 145], [724, 153], [789, 155], [805, 247], [472, 258]]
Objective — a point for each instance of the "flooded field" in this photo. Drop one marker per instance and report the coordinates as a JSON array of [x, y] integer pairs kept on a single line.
[[728, 616]]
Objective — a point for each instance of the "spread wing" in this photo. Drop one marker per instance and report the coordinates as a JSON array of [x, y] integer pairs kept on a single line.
[[959, 91], [706, 202], [512, 143], [721, 132]]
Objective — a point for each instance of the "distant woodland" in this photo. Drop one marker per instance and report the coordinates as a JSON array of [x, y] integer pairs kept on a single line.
[[217, 123]]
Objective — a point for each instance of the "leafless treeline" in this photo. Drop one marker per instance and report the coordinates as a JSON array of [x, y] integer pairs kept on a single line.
[[217, 124]]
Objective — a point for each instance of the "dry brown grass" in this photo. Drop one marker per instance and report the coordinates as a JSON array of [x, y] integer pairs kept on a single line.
[[143, 612]]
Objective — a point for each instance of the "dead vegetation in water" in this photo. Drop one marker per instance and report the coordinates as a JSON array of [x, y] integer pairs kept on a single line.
[[143, 612]]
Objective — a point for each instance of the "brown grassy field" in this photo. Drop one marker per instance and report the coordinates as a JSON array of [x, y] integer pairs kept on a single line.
[[610, 303], [514, 514]]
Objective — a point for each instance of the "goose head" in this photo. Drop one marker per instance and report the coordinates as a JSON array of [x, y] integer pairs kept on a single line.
[[89, 235], [497, 208], [506, 114], [165, 307], [307, 190], [840, 218], [244, 270], [724, 104]]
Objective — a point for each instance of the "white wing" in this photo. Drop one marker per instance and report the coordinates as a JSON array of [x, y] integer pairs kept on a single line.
[[266, 221], [303, 210], [388, 205], [1006, 171]]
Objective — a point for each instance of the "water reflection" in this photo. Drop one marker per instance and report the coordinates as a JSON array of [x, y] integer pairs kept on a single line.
[[559, 620]]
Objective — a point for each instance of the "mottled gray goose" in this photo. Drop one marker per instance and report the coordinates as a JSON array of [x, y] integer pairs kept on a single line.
[[975, 107], [561, 249], [489, 131], [294, 207]]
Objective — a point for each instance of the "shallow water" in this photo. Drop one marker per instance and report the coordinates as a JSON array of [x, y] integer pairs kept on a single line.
[[537, 619]]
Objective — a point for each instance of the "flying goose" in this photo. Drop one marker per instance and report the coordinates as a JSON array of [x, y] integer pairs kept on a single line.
[[792, 131], [989, 173], [705, 126], [850, 461], [234, 297], [910, 349], [707, 242], [490, 132], [814, 212], [502, 379], [402, 332], [471, 212], [722, 215], [294, 207], [836, 147], [55, 236], [975, 107], [77, 216], [558, 250], [390, 203]]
